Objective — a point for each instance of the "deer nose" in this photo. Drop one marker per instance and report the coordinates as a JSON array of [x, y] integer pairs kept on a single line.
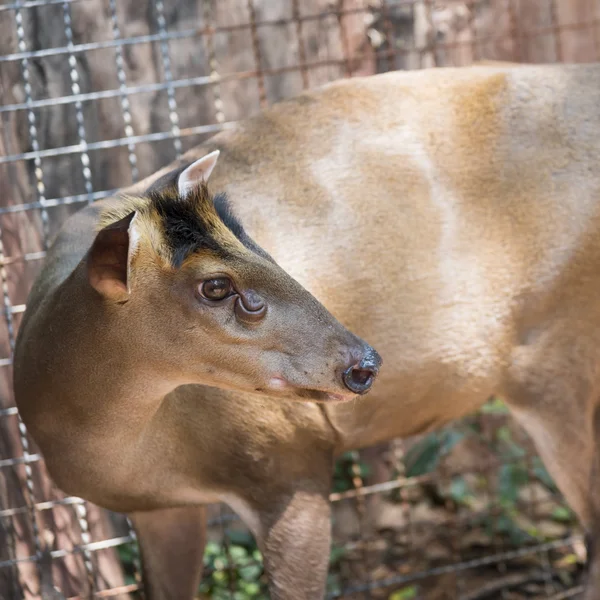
[[359, 378]]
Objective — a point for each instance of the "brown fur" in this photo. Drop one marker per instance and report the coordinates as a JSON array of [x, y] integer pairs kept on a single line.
[[451, 217]]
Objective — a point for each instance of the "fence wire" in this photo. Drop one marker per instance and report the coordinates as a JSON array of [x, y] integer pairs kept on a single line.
[[84, 114]]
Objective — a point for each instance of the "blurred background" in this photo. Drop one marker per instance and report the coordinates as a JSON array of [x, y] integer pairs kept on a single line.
[[96, 94]]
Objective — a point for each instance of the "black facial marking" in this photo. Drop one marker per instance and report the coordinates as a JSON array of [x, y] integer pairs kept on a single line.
[[185, 230], [223, 208]]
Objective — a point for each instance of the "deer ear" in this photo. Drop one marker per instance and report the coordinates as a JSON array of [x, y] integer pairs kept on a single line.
[[109, 259], [197, 172]]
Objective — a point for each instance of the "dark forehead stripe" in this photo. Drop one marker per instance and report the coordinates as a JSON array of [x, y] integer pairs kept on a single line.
[[185, 222], [185, 229]]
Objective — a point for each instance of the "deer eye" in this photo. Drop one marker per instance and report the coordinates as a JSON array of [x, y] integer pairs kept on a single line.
[[218, 288]]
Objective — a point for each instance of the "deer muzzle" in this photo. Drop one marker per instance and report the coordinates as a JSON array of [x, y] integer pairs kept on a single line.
[[359, 378]]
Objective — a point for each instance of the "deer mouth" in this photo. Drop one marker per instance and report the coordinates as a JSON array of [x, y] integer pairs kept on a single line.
[[278, 386], [321, 396]]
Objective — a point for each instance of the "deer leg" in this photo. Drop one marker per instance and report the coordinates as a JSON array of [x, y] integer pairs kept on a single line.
[[172, 546], [553, 393], [592, 537], [567, 455], [295, 544], [380, 471], [291, 523]]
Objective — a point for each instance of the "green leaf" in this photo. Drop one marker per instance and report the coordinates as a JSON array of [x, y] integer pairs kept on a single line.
[[333, 584], [504, 524], [450, 438], [250, 572], [424, 456], [219, 576], [509, 447], [243, 538], [251, 588], [336, 554], [503, 433], [126, 553], [212, 549], [562, 514], [238, 553], [542, 474], [495, 407], [220, 563], [407, 593], [344, 471], [510, 480], [459, 490], [364, 469]]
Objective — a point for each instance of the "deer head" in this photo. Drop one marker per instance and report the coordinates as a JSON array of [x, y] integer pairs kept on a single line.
[[196, 299]]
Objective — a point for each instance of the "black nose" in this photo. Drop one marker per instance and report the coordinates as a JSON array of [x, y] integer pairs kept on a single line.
[[360, 377]]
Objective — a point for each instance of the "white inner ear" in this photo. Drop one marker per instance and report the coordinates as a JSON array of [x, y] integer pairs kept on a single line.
[[134, 241], [197, 172]]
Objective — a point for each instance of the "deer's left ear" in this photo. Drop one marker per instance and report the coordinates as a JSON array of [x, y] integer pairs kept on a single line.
[[196, 173]]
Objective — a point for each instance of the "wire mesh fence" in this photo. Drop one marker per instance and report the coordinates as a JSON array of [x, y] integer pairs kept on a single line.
[[96, 94]]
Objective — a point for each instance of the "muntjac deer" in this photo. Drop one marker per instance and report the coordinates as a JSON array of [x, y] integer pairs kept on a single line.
[[451, 217]]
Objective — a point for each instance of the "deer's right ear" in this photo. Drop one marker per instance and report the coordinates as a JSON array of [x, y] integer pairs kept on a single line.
[[109, 258]]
